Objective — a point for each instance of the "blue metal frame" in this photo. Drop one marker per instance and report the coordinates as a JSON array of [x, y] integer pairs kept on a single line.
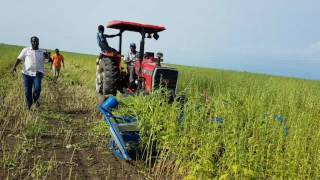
[[119, 139]]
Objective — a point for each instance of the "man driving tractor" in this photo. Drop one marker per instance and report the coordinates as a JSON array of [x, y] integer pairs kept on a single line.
[[130, 59]]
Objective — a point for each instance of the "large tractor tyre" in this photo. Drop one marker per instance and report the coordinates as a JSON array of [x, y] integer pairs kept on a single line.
[[109, 76]]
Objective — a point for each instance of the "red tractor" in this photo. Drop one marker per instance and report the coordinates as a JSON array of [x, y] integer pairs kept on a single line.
[[148, 69]]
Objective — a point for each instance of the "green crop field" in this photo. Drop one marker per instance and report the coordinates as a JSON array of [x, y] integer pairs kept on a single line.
[[233, 125]]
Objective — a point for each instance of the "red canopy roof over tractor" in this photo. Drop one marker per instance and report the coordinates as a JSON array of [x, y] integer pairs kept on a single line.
[[137, 27]]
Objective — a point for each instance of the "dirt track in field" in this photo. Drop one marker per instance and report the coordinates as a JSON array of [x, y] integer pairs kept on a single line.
[[87, 161], [84, 160], [66, 148]]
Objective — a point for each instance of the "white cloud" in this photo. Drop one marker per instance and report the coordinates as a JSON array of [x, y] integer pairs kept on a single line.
[[315, 46], [311, 51]]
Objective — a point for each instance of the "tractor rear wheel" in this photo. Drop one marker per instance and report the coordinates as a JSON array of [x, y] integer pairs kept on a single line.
[[109, 76]]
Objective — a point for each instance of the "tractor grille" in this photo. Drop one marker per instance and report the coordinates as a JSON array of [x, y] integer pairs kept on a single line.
[[165, 77]]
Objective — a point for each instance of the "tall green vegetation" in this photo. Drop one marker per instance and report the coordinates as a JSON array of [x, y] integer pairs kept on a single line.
[[233, 125]]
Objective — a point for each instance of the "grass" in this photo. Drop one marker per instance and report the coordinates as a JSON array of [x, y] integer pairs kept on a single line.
[[234, 125]]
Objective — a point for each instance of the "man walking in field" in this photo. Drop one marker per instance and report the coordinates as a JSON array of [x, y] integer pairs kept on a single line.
[[57, 59], [33, 59]]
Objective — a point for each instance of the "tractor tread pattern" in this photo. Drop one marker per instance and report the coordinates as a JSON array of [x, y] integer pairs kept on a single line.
[[110, 76]]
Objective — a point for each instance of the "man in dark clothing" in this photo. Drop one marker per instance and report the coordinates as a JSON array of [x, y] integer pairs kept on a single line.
[[102, 41]]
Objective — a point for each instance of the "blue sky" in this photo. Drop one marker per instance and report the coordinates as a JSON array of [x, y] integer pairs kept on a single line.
[[280, 37]]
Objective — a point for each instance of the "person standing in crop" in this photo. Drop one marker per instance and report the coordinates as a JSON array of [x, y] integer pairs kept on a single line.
[[33, 59], [57, 60]]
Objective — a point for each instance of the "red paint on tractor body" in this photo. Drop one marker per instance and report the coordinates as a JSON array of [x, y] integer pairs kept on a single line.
[[148, 67]]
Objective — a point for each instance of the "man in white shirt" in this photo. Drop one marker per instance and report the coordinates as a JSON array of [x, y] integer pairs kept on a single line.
[[33, 60], [130, 59]]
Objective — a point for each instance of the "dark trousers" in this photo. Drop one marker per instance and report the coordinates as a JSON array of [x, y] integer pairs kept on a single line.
[[30, 82]]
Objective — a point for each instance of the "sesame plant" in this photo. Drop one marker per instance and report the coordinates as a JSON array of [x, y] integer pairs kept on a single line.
[[233, 125]]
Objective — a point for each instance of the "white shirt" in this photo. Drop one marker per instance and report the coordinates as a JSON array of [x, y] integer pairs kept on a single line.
[[33, 61], [131, 57]]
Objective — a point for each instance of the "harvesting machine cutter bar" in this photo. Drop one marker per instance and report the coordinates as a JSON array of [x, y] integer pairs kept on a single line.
[[123, 130]]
